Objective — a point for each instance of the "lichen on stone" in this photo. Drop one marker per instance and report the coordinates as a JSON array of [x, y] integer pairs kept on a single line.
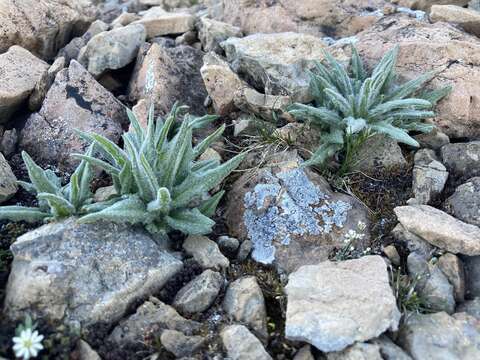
[[288, 204]]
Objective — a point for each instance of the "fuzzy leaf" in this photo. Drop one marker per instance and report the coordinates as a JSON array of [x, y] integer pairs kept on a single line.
[[190, 221], [37, 176], [21, 213], [130, 210], [209, 206]]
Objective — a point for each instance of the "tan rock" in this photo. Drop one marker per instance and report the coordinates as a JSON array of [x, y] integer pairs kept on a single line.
[[452, 267], [20, 71], [241, 344], [468, 19], [212, 32], [159, 22], [43, 85], [205, 252], [8, 181], [427, 4]]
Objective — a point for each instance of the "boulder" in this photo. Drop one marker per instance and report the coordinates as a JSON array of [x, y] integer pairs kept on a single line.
[[212, 32], [244, 303], [43, 27], [334, 304], [291, 215], [8, 181], [151, 316], [241, 344], [75, 101], [468, 19], [440, 229], [112, 49], [20, 72], [462, 159], [464, 204], [165, 75], [179, 344], [84, 274], [424, 47], [429, 176], [205, 252], [199, 294], [276, 62], [448, 337], [159, 22]]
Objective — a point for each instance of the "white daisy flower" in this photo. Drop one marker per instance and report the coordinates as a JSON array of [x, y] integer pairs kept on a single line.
[[28, 344]]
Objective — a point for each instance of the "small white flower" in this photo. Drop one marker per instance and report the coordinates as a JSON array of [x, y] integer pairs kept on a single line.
[[361, 225], [352, 248], [28, 344]]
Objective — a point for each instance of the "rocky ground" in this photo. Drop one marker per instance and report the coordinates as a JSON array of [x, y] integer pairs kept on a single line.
[[382, 262]]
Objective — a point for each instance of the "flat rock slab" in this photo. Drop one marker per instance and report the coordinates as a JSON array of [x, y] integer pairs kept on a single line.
[[335, 304], [159, 22], [440, 229], [84, 273]]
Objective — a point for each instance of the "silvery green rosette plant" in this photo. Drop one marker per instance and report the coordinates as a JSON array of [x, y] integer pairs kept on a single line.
[[351, 105], [157, 175]]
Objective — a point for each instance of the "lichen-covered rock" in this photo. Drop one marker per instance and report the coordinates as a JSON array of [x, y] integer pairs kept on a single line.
[[464, 204], [334, 304], [85, 274], [244, 303], [429, 176], [43, 27], [441, 336], [241, 344], [20, 72], [199, 294], [424, 47], [166, 75], [291, 215], [8, 181], [179, 344], [159, 22], [151, 316], [114, 49], [440, 229], [462, 159], [205, 252], [75, 101], [276, 62]]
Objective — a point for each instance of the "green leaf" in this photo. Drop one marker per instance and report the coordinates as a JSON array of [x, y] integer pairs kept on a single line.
[[130, 210], [109, 169], [210, 139], [21, 213], [190, 221], [60, 206], [38, 177], [209, 206], [162, 203], [395, 133]]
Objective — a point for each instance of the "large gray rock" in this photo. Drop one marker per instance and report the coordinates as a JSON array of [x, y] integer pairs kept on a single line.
[[440, 336], [86, 273], [74, 102], [151, 316], [291, 215], [334, 304], [429, 176], [112, 49], [276, 62], [20, 71], [199, 294], [464, 204], [440, 229], [244, 303], [241, 344], [462, 159], [43, 27], [8, 181]]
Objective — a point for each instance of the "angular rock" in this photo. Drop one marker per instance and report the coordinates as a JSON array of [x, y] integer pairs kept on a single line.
[[124, 19], [440, 229], [434, 140], [20, 72], [199, 294], [413, 242], [159, 22], [43, 85], [429, 176], [424, 47], [244, 250], [452, 267], [291, 215], [334, 304], [392, 254], [468, 19], [42, 27], [462, 159], [151, 317], [179, 344], [85, 352], [114, 49], [471, 307], [85, 273], [8, 181], [276, 62], [212, 32], [251, 101], [9, 141], [244, 303], [241, 344], [472, 276], [165, 75], [431, 284], [228, 245], [304, 353], [75, 101], [205, 252], [448, 337], [359, 351], [464, 204], [379, 153], [389, 350], [427, 4]]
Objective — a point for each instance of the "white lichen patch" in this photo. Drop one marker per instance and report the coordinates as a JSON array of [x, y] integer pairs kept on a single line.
[[287, 204]]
